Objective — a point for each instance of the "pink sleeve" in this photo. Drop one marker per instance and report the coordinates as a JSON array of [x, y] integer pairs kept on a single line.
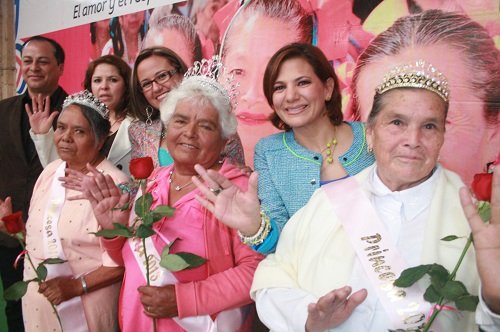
[[113, 248], [227, 289]]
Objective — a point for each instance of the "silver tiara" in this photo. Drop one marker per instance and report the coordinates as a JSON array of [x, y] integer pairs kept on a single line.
[[210, 73], [88, 99], [420, 75]]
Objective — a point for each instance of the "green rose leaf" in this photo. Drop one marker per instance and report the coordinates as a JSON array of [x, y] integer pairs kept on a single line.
[[454, 289], [41, 271], [431, 294], [484, 211], [409, 276], [147, 219], [118, 230], [173, 262], [192, 259], [144, 231], [467, 302], [53, 261], [143, 204], [439, 275], [16, 291], [164, 210], [450, 238], [181, 261]]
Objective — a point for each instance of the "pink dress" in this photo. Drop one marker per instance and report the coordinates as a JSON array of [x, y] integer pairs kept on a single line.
[[82, 250], [220, 284]]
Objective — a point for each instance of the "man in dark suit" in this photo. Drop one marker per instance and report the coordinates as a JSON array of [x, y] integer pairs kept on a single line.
[[42, 66]]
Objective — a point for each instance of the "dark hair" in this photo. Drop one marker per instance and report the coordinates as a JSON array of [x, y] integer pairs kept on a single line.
[[137, 99], [460, 33], [115, 32], [322, 68], [100, 126], [124, 71], [58, 50], [378, 104]]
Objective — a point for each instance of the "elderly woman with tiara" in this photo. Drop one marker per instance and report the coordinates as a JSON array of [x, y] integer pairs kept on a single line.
[[361, 233], [211, 297], [85, 288]]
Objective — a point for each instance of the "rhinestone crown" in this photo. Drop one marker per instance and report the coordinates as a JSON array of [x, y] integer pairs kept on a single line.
[[88, 99]]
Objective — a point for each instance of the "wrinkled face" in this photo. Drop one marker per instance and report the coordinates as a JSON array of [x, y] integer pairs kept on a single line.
[[250, 45], [406, 136], [299, 95], [40, 68], [470, 142], [152, 68], [108, 85], [74, 138], [173, 40], [194, 135]]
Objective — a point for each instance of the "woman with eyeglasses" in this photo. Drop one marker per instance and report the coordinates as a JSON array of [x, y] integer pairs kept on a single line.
[[156, 72]]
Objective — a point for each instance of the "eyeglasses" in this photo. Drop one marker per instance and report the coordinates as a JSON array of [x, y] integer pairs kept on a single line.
[[160, 78]]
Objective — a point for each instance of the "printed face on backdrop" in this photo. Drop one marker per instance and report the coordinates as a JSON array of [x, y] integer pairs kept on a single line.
[[250, 45], [131, 23], [470, 142], [406, 136], [152, 69], [40, 69], [172, 39], [107, 85]]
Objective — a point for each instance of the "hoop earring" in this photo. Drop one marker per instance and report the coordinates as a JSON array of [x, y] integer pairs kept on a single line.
[[149, 114]]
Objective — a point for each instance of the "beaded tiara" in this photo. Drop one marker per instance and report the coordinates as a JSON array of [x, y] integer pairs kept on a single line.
[[420, 75], [209, 73], [88, 99]]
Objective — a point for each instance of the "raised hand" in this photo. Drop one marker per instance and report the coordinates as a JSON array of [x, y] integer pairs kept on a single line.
[[102, 193], [40, 117], [333, 309], [235, 208], [486, 242]]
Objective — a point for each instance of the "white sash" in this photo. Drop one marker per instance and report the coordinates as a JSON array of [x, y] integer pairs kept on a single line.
[[226, 321], [71, 312], [377, 253]]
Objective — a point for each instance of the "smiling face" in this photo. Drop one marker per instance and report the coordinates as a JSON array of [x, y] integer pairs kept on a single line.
[[470, 142], [40, 68], [250, 45], [107, 85], [406, 136], [172, 39], [131, 23], [194, 135], [147, 70], [299, 95], [75, 141]]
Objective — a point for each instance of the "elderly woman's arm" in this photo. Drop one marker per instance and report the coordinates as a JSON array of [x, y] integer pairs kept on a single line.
[[61, 289], [486, 243]]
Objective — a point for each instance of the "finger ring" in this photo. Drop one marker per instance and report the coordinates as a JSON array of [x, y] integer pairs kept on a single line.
[[216, 191]]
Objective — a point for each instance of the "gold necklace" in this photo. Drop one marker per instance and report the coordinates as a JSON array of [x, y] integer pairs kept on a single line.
[[177, 187]]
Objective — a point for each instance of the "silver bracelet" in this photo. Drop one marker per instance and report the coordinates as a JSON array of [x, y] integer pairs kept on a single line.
[[84, 285]]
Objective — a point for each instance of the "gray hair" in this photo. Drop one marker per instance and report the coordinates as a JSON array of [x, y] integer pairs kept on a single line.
[[98, 125], [200, 94], [286, 11], [184, 26], [433, 27]]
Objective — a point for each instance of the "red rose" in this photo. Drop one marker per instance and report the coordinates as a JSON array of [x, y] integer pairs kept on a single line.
[[14, 222], [141, 168], [481, 186]]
